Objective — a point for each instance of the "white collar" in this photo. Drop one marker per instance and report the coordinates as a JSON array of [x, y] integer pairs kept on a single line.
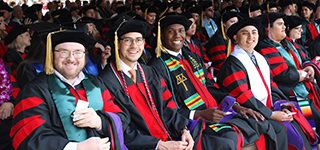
[[62, 78], [125, 68], [173, 52]]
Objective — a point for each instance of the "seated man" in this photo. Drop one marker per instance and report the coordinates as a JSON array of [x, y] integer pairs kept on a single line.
[[246, 76], [52, 111], [293, 74], [141, 94], [196, 95]]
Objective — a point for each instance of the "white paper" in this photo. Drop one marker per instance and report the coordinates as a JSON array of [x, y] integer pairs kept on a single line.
[[81, 105]]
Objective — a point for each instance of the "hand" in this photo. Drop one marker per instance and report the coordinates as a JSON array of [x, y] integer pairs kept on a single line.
[[301, 77], [94, 143], [243, 111], [27, 21], [186, 137], [310, 73], [105, 55], [168, 145], [207, 65], [281, 116], [87, 118], [6, 110], [212, 114]]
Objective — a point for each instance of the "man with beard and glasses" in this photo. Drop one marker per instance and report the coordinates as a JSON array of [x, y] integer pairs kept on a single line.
[[65, 108]]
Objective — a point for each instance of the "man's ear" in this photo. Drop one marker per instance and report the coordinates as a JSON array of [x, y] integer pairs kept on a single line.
[[235, 38]]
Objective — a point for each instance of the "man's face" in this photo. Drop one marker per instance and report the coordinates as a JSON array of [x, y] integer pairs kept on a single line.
[[209, 12], [90, 13], [151, 17], [274, 9], [6, 14], [69, 67], [278, 31], [137, 10], [18, 13], [237, 3], [247, 37], [130, 52], [173, 37]]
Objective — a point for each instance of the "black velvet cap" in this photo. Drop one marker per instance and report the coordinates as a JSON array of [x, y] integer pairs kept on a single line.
[[72, 36], [133, 26], [190, 5], [84, 9], [195, 10], [87, 20], [5, 6], [293, 21], [229, 8], [253, 7], [37, 7], [309, 5], [284, 3], [271, 5], [152, 8], [174, 5], [175, 19], [14, 32], [187, 15], [228, 15], [205, 5], [270, 18], [233, 30]]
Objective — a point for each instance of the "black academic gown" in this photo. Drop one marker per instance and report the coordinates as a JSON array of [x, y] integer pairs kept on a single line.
[[138, 134], [250, 128], [36, 122], [13, 58], [287, 77], [233, 67]]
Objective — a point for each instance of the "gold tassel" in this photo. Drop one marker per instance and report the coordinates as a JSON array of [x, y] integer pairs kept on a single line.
[[48, 67], [159, 44], [222, 27], [116, 46], [202, 25], [249, 11], [268, 9], [161, 15], [145, 13], [229, 48], [294, 11]]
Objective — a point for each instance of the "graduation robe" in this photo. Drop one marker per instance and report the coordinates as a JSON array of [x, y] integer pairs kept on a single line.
[[287, 78], [14, 58], [196, 47], [217, 48], [151, 120], [204, 92], [36, 122], [309, 33], [235, 78]]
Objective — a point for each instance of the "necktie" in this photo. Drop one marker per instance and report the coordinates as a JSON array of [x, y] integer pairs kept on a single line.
[[133, 75], [253, 58], [180, 56]]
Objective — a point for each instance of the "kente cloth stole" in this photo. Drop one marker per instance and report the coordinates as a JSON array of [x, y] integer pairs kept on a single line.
[[182, 82], [300, 89], [66, 103]]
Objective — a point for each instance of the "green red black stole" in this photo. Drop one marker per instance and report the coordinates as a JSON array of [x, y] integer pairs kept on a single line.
[[188, 78], [66, 103]]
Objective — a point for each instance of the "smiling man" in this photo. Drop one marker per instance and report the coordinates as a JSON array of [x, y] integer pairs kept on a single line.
[[64, 108], [196, 93]]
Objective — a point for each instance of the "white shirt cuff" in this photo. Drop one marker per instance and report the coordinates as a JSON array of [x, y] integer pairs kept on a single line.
[[191, 115], [71, 146]]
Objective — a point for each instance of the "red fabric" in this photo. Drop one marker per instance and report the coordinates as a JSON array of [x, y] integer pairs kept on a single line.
[[201, 89], [8, 28], [3, 49], [25, 130], [240, 140], [244, 96], [313, 30], [261, 143], [166, 95], [111, 133], [279, 69], [217, 48], [172, 104], [266, 86], [233, 77], [26, 104], [199, 146], [150, 116], [235, 92], [296, 60]]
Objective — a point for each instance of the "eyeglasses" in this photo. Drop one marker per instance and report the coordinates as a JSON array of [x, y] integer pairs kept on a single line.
[[138, 8], [65, 54], [128, 41]]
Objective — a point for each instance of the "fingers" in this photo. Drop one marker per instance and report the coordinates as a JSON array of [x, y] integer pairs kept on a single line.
[[259, 116]]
